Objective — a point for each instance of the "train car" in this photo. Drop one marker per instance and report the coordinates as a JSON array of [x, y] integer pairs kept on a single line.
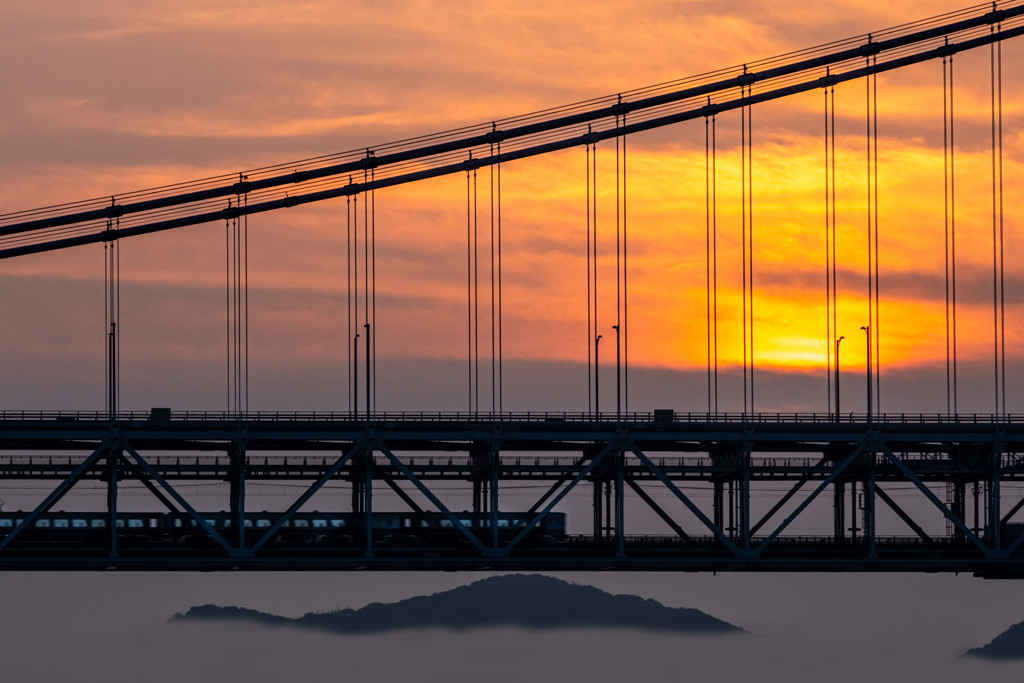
[[301, 529]]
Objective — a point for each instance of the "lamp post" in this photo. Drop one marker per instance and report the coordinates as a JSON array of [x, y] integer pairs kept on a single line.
[[597, 377], [837, 377], [867, 333]]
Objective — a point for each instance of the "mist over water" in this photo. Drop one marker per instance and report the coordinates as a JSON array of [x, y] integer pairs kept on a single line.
[[111, 627]]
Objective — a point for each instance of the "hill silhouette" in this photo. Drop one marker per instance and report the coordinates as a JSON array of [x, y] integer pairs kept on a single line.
[[525, 601], [1007, 645]]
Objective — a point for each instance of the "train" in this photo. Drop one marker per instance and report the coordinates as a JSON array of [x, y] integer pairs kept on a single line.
[[302, 528]]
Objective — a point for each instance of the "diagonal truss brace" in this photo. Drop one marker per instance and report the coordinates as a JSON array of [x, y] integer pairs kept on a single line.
[[907, 519], [782, 501], [562, 494], [434, 499], [665, 517], [56, 494], [656, 471], [901, 466], [316, 486], [173, 493], [814, 494]]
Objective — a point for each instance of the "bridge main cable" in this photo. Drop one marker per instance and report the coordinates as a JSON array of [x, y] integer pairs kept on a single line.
[[373, 161]]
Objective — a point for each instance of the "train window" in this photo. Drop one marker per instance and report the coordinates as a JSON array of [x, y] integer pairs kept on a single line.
[[43, 523], [60, 524], [319, 523], [212, 522], [153, 522], [446, 523], [303, 523], [247, 523], [337, 523], [226, 523], [502, 523], [79, 523], [262, 523], [98, 523], [6, 523], [134, 523]]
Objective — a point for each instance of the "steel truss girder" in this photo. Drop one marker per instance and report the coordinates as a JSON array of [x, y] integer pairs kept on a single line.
[[938, 459]]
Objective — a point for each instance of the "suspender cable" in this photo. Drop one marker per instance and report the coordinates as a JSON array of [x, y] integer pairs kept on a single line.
[[945, 210], [469, 295], [494, 388], [227, 308], [354, 340], [877, 327], [245, 248], [998, 263], [835, 281], [625, 277], [1002, 261], [618, 269], [707, 246], [750, 232], [995, 233], [373, 284], [476, 301], [714, 251], [871, 220], [366, 297], [952, 222], [348, 298], [501, 309], [828, 264], [743, 241], [596, 336], [590, 321]]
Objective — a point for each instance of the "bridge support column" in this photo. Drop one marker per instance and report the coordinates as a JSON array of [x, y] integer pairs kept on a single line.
[[718, 505], [994, 530], [745, 501], [598, 512], [839, 509], [869, 506], [368, 503], [237, 492], [620, 504], [113, 460], [853, 512], [495, 472]]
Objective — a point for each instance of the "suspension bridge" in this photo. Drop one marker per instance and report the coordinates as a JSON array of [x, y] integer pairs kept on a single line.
[[719, 490]]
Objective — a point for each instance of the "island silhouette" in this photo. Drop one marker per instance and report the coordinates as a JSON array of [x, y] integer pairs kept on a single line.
[[1007, 645], [529, 601]]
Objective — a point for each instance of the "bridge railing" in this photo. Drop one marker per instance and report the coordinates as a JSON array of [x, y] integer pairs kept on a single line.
[[661, 417]]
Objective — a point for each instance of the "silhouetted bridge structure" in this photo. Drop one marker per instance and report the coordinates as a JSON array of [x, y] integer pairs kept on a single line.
[[717, 491], [851, 468]]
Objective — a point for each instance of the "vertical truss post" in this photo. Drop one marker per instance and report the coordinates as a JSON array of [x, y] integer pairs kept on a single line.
[[113, 459], [598, 513], [719, 500], [620, 503], [994, 512], [368, 502], [839, 511], [869, 506], [237, 490], [745, 498], [495, 471]]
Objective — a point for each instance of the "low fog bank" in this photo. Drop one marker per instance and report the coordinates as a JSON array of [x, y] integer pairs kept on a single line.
[[111, 627]]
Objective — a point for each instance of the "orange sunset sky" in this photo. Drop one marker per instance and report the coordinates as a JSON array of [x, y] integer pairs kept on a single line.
[[120, 96]]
